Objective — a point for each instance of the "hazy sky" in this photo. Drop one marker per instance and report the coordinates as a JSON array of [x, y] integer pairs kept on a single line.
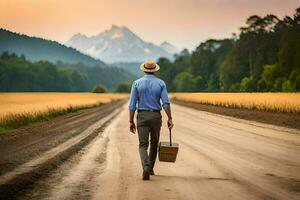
[[184, 23]]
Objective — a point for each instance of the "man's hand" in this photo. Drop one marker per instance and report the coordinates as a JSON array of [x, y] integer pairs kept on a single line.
[[170, 123], [132, 127]]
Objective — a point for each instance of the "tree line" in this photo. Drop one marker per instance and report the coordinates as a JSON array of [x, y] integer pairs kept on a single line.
[[19, 74], [264, 57]]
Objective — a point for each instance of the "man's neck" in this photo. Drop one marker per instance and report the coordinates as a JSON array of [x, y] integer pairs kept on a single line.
[[149, 73]]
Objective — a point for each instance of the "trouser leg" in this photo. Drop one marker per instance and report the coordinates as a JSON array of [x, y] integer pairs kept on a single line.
[[154, 133], [143, 132]]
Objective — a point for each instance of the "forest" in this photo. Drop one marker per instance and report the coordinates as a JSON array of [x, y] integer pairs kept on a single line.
[[19, 74], [263, 57]]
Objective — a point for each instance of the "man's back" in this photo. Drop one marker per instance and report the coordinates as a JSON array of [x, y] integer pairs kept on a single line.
[[147, 92]]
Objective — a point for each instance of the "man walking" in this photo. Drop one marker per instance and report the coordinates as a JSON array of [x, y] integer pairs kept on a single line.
[[148, 92]]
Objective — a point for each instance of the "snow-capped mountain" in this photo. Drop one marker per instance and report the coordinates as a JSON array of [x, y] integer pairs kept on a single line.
[[169, 47], [119, 44]]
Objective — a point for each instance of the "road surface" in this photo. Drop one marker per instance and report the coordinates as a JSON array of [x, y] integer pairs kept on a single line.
[[219, 158]]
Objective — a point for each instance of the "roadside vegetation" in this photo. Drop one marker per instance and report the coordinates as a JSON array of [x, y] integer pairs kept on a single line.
[[124, 87], [19, 109], [99, 89], [271, 102]]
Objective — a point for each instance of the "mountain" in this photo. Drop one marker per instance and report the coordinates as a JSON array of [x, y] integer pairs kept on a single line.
[[119, 44], [35, 49], [169, 47], [131, 67]]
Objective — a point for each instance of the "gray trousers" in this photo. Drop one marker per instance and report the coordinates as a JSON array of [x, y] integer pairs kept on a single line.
[[148, 123]]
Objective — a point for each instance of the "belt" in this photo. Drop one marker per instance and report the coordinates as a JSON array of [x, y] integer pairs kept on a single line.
[[149, 111]]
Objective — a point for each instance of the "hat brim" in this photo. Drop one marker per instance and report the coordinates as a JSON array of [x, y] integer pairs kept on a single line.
[[142, 67]]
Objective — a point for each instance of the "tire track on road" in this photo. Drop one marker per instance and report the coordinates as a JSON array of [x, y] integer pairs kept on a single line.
[[23, 178]]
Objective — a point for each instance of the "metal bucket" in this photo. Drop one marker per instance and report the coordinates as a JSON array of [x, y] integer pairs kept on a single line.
[[167, 151]]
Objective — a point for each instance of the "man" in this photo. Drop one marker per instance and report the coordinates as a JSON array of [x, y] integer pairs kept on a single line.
[[147, 92]]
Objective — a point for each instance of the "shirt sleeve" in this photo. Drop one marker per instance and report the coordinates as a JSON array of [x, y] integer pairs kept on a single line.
[[133, 97], [164, 97]]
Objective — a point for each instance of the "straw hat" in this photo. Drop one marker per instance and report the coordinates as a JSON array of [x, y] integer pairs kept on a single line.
[[149, 66]]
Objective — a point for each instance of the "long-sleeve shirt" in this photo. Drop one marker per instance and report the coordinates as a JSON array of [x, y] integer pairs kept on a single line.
[[147, 92]]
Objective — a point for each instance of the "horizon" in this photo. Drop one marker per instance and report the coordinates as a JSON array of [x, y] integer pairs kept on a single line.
[[195, 21]]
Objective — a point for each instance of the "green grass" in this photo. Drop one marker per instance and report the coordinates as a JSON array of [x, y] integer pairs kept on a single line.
[[16, 120]]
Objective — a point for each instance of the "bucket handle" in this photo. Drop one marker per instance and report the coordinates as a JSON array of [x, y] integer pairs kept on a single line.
[[170, 137]]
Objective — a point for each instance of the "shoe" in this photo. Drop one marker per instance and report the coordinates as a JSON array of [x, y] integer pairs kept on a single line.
[[151, 172], [146, 175]]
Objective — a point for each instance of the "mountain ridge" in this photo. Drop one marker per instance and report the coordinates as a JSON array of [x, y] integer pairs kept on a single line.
[[169, 47], [118, 44]]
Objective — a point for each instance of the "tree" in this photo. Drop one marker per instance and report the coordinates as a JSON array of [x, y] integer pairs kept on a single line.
[[246, 85], [232, 71], [99, 89], [269, 76], [185, 82], [200, 83], [124, 87], [165, 72], [295, 79], [287, 86], [278, 84], [169, 70], [289, 52], [208, 56]]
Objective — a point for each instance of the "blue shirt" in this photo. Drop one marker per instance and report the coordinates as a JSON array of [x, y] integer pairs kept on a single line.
[[147, 93]]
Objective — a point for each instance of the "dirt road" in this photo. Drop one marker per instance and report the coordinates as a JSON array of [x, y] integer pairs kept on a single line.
[[219, 158]]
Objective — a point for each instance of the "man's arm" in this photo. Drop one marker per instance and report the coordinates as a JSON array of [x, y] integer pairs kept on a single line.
[[169, 114], [131, 121], [131, 115], [132, 108], [166, 106]]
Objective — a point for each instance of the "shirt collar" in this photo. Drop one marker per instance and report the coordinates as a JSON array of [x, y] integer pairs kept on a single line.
[[148, 75]]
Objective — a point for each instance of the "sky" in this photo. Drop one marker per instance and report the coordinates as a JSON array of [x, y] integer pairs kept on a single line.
[[184, 23]]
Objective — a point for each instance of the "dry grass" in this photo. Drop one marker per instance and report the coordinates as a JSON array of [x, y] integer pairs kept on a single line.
[[18, 109], [273, 102]]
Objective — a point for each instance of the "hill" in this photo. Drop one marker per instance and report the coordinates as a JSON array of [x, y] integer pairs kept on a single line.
[[36, 49], [20, 75]]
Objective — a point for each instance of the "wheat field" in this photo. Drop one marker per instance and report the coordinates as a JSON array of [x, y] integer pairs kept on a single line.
[[19, 109], [274, 102], [39, 102]]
